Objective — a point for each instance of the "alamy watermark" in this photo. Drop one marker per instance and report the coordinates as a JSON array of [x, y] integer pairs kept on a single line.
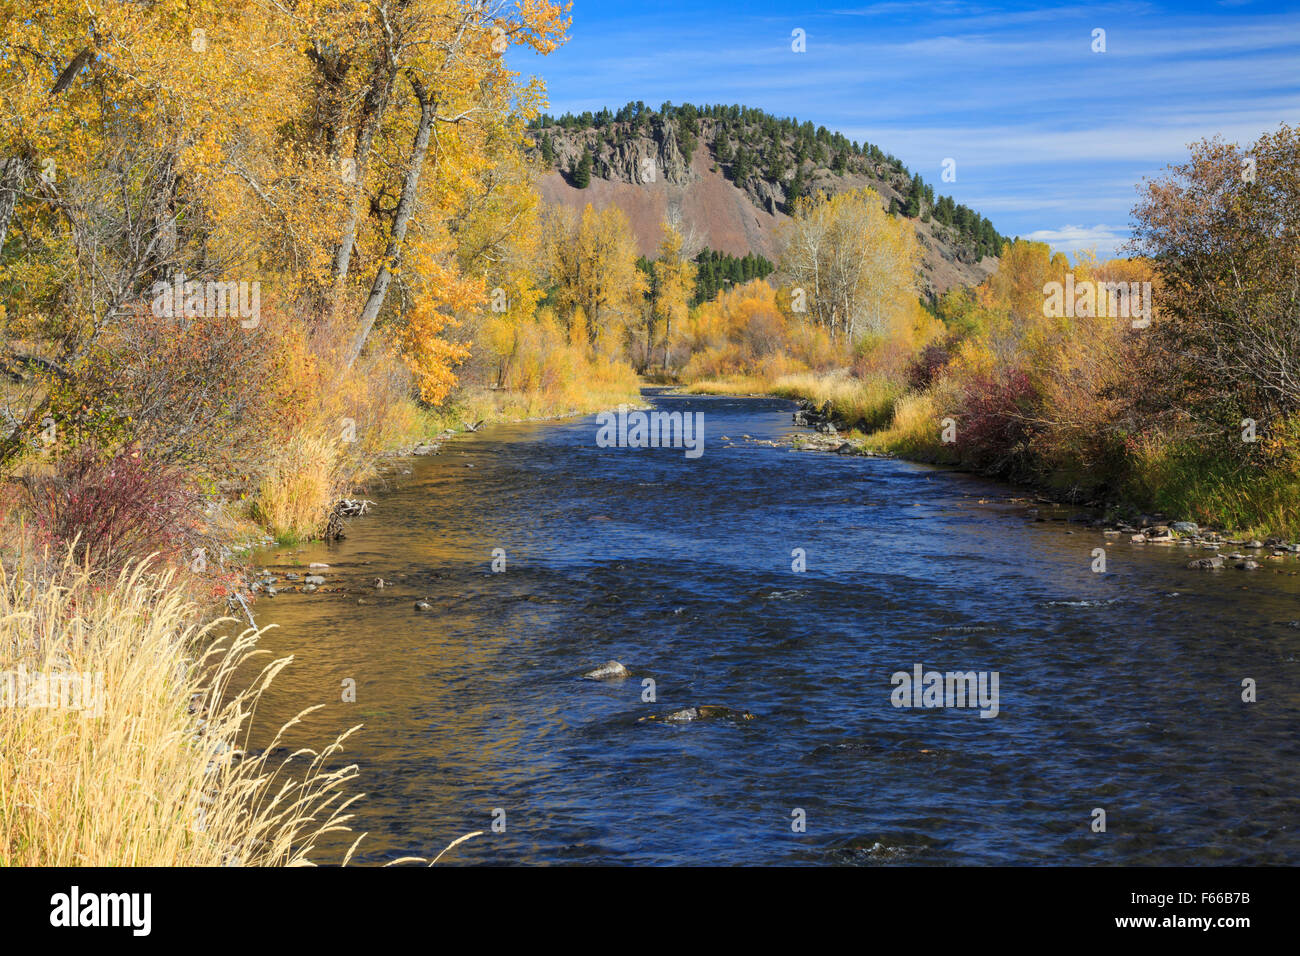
[[927, 689], [193, 300], [130, 910], [1089, 299], [637, 429], [60, 690]]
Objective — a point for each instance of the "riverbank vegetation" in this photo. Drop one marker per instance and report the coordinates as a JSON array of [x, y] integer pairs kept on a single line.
[[245, 252], [1163, 381], [124, 728]]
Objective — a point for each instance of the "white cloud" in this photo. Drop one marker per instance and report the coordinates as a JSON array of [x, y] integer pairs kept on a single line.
[[1106, 240]]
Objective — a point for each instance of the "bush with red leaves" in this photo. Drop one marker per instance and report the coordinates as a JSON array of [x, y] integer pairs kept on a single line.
[[996, 427], [923, 369], [117, 507]]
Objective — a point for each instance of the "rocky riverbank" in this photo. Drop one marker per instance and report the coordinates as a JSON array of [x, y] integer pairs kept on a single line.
[[1231, 550]]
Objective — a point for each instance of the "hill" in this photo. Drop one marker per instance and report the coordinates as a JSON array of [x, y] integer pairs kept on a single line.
[[732, 174]]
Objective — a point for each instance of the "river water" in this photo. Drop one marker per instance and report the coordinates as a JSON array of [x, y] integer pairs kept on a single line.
[[1119, 690]]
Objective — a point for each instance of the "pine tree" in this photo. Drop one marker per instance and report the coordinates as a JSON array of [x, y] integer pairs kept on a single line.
[[915, 198], [798, 188], [743, 167], [722, 145], [581, 173]]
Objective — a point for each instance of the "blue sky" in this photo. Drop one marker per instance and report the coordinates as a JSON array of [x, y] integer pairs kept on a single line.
[[1049, 137]]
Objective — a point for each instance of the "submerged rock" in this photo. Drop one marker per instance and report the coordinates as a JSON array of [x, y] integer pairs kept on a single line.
[[314, 579], [610, 670], [702, 712], [423, 606]]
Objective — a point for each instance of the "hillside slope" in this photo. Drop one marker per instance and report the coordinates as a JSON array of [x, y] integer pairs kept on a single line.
[[733, 177]]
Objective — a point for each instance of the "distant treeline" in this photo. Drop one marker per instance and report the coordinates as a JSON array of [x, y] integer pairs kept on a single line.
[[715, 271]]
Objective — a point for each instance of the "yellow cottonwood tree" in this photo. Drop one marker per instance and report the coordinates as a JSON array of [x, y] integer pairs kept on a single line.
[[674, 284], [593, 266], [855, 263]]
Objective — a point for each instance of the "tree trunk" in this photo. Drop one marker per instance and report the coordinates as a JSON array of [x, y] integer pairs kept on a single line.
[[373, 110], [12, 444], [12, 173], [401, 219]]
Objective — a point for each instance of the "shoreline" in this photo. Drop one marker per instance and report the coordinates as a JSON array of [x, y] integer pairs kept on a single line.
[[1153, 528]]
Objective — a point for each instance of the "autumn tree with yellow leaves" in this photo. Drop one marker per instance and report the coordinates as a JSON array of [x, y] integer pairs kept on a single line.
[[854, 264], [673, 278], [361, 163], [592, 265]]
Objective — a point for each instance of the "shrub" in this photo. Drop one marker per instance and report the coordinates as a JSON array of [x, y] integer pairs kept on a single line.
[[112, 508], [922, 370], [995, 429]]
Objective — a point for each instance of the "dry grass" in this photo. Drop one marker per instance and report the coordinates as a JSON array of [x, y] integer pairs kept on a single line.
[[150, 770], [295, 495], [340, 422], [731, 385], [600, 386], [863, 403]]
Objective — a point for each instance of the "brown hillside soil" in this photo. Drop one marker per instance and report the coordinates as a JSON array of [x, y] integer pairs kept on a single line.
[[724, 217]]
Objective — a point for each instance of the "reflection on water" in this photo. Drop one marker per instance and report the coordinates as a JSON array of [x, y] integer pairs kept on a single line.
[[1118, 690]]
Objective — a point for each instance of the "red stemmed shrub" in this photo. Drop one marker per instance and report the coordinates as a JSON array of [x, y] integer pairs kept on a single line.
[[925, 368], [997, 424], [117, 507]]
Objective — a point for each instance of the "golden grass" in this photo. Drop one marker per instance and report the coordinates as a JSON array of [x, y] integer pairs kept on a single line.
[[731, 385], [153, 771], [862, 403], [294, 497], [600, 388]]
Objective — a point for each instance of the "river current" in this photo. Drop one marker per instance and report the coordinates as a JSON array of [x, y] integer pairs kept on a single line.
[[1118, 691]]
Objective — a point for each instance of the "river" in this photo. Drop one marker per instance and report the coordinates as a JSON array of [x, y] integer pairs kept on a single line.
[[1119, 690]]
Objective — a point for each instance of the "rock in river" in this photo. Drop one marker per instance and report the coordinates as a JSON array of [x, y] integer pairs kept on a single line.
[[313, 579], [610, 670], [1206, 564], [702, 712]]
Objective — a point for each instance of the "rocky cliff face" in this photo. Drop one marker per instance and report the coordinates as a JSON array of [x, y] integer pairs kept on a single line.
[[643, 158], [642, 169]]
